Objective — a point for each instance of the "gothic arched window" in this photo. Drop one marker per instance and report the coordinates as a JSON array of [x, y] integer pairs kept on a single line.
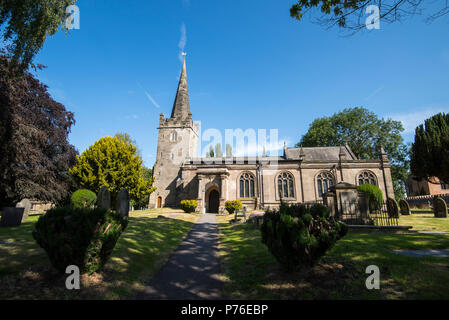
[[247, 186], [324, 181], [367, 177], [285, 185]]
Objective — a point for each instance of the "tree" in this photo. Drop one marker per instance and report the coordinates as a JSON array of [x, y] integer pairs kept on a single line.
[[218, 152], [25, 25], [211, 153], [125, 137], [228, 150], [35, 154], [147, 174], [353, 14], [365, 133], [430, 150], [115, 164]]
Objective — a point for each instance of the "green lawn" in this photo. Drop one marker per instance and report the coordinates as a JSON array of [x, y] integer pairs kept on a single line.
[[251, 272], [425, 222], [25, 272]]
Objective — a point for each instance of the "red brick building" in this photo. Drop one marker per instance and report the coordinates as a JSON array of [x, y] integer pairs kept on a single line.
[[422, 188]]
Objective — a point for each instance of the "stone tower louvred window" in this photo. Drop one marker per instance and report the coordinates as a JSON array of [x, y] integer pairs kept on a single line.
[[174, 136], [367, 177], [285, 185], [247, 186], [324, 181]]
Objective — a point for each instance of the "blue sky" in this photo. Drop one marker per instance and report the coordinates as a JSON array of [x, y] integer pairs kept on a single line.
[[249, 65]]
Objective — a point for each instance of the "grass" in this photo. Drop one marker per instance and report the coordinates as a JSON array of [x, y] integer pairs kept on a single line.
[[248, 268], [251, 272], [425, 222], [146, 244]]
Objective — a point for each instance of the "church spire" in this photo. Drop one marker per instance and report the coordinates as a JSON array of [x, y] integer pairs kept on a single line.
[[181, 106]]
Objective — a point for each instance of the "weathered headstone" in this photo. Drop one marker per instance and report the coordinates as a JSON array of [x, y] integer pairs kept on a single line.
[[439, 207], [104, 198], [122, 203], [11, 217], [26, 204], [405, 208], [393, 208]]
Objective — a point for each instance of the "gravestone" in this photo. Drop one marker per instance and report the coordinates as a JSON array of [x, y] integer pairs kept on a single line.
[[439, 207], [104, 198], [122, 203], [11, 217], [405, 208], [392, 208], [26, 204]]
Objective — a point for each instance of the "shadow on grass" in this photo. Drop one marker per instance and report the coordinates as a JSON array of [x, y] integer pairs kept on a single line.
[[141, 250], [18, 249], [253, 273]]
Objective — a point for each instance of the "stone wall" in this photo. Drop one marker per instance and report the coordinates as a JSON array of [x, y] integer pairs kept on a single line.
[[265, 173], [172, 151]]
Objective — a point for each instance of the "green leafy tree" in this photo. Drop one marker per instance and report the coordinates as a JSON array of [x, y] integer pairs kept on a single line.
[[125, 137], [25, 25], [430, 150], [211, 153], [112, 163], [228, 150], [352, 14], [147, 173], [218, 152], [365, 133]]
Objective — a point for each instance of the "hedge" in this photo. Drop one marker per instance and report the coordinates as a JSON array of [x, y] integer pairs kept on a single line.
[[189, 206], [79, 236], [232, 205], [374, 195], [298, 235], [83, 198]]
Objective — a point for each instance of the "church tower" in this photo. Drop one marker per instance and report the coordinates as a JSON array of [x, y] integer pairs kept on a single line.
[[177, 142]]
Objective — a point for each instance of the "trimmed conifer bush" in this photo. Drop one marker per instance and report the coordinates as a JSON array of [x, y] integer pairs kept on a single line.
[[83, 198], [79, 236], [374, 195], [298, 235], [233, 205], [189, 206]]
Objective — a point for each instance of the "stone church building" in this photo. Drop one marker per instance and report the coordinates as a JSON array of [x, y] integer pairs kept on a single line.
[[299, 175]]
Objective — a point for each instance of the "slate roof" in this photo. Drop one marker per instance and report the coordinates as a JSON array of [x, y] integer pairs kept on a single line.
[[319, 153]]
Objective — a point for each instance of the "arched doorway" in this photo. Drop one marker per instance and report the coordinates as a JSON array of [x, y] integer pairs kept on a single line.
[[159, 202], [214, 201]]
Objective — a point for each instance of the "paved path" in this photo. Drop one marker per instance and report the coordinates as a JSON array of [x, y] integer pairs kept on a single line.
[[424, 253], [192, 271]]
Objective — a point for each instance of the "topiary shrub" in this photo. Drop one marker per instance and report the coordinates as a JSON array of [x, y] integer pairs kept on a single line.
[[298, 235], [374, 195], [189, 206], [83, 198], [232, 205], [79, 236]]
